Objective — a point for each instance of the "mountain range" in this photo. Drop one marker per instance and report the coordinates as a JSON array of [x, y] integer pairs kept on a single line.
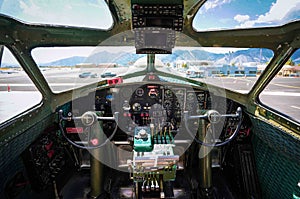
[[126, 59]]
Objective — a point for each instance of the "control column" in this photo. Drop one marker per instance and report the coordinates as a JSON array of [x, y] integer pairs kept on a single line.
[[205, 182], [97, 178]]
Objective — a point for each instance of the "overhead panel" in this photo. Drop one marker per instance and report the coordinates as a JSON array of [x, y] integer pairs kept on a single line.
[[155, 24]]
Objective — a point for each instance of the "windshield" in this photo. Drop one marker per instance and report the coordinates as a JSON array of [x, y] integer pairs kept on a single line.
[[231, 68], [70, 67], [285, 89]]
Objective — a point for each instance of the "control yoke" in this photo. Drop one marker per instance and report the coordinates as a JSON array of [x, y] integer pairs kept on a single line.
[[88, 119], [213, 117]]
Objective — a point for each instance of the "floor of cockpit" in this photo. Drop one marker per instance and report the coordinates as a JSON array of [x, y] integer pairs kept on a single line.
[[78, 187], [119, 186]]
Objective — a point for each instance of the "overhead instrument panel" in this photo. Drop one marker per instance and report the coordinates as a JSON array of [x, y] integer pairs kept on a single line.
[[155, 24]]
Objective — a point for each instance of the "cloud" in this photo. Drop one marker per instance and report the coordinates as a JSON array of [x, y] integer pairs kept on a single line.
[[214, 3], [30, 8], [278, 11], [278, 14], [241, 18]]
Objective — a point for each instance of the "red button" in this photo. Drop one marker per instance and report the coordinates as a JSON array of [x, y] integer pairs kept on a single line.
[[95, 141]]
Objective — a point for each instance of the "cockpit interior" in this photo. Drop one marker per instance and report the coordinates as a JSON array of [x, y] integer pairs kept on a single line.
[[149, 133]]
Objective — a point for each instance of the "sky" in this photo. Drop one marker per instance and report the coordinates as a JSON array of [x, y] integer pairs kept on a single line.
[[85, 13], [214, 14]]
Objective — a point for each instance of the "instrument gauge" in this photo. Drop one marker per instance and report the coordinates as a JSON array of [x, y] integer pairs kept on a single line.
[[179, 92], [136, 107], [167, 104], [153, 93], [190, 97], [139, 92], [126, 106], [168, 94], [201, 96]]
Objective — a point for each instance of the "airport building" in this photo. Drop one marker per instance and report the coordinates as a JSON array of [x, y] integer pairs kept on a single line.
[[210, 69]]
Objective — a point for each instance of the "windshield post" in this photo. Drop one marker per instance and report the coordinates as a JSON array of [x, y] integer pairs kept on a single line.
[[150, 62], [1, 53]]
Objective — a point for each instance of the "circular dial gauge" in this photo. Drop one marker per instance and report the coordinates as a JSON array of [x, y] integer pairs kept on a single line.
[[190, 97], [180, 94], [168, 94], [136, 106], [201, 97], [139, 92], [167, 104], [126, 106]]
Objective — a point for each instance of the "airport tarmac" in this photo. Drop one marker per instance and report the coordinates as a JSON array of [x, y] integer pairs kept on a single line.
[[18, 92]]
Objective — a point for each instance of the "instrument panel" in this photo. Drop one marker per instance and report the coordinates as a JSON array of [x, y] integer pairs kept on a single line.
[[160, 107], [159, 104]]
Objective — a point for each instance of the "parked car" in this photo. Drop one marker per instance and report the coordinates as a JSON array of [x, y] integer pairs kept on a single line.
[[294, 75], [108, 74], [85, 74], [88, 74]]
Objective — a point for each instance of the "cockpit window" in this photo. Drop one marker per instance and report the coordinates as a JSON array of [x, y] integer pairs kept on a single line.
[[228, 14], [283, 92], [80, 13], [17, 92], [231, 68], [70, 67]]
